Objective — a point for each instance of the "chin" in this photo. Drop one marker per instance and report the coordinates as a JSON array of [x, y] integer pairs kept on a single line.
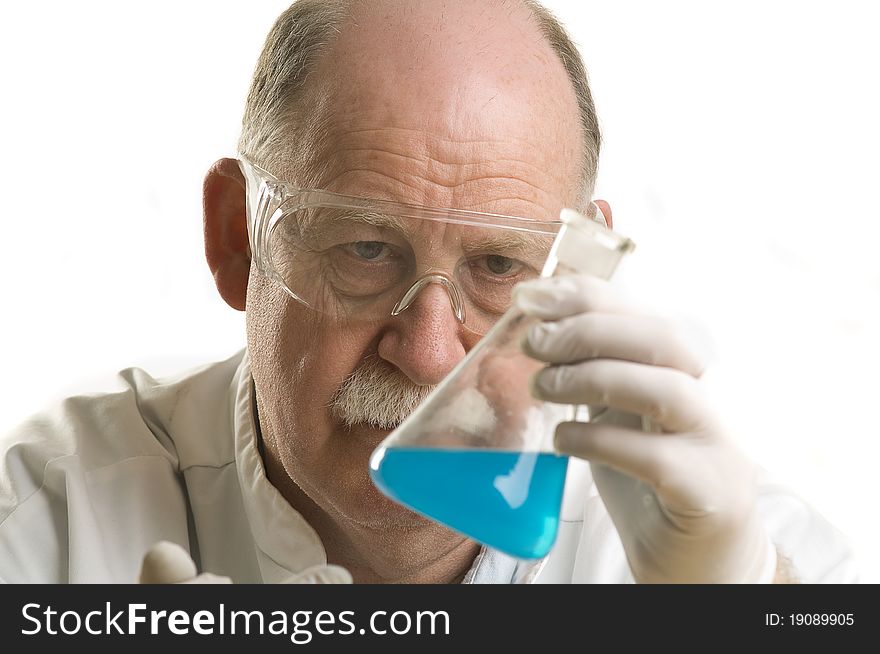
[[348, 487]]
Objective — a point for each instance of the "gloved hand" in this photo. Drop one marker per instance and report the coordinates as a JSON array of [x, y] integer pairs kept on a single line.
[[169, 563], [681, 495]]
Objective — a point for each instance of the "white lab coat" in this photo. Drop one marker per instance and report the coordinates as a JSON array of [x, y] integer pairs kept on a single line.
[[87, 488]]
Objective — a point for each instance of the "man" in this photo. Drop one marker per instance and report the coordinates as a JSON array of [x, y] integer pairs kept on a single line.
[[258, 466]]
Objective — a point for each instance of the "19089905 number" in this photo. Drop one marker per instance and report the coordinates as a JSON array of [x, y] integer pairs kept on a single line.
[[821, 619], [809, 619]]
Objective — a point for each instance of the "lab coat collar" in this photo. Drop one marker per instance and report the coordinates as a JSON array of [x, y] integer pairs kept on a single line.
[[286, 543]]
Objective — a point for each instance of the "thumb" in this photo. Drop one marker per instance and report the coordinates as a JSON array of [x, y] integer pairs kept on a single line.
[[166, 563]]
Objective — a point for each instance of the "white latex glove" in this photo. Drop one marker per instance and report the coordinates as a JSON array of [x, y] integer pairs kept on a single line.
[[169, 563], [681, 495]]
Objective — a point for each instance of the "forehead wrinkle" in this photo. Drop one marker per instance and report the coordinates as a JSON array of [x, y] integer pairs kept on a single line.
[[449, 161], [481, 168], [504, 196], [415, 139]]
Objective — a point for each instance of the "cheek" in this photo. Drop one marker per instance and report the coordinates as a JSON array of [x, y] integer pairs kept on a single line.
[[299, 360]]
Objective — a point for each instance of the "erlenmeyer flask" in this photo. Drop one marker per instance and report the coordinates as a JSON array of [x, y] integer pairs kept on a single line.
[[477, 455]]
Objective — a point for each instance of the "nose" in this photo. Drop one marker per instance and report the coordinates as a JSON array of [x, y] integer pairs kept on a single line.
[[424, 338], [434, 278]]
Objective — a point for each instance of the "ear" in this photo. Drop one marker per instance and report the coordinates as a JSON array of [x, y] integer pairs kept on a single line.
[[606, 212], [226, 237]]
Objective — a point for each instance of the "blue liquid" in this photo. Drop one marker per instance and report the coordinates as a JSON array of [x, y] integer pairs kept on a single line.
[[507, 500]]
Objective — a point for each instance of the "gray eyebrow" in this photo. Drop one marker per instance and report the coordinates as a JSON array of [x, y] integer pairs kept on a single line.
[[512, 241], [377, 219]]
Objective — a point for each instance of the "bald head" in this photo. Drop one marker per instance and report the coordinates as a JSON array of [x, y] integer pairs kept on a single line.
[[453, 69], [449, 95], [453, 64]]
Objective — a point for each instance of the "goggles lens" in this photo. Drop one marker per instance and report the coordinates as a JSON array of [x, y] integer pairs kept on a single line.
[[356, 260]]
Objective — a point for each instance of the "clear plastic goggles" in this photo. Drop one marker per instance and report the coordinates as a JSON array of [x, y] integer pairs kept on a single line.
[[360, 259]]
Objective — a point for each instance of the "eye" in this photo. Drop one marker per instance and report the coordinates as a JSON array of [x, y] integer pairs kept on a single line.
[[499, 265], [370, 250]]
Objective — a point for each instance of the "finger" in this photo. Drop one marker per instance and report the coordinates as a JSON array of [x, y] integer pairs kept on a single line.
[[638, 454], [553, 298], [672, 399], [166, 563], [321, 574], [642, 339]]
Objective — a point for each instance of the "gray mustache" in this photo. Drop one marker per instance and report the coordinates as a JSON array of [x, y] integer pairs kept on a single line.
[[377, 394]]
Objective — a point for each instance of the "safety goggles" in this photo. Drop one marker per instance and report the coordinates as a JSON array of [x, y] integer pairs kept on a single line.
[[360, 259]]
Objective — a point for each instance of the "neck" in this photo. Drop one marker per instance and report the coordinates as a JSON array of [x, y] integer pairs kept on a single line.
[[423, 554]]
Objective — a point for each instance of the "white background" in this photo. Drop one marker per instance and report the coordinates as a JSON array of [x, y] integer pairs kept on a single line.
[[741, 153]]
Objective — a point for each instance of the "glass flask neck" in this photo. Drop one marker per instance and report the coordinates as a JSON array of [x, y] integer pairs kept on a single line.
[[585, 245]]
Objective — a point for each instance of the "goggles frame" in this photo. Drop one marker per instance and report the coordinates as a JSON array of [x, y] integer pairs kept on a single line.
[[269, 199]]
